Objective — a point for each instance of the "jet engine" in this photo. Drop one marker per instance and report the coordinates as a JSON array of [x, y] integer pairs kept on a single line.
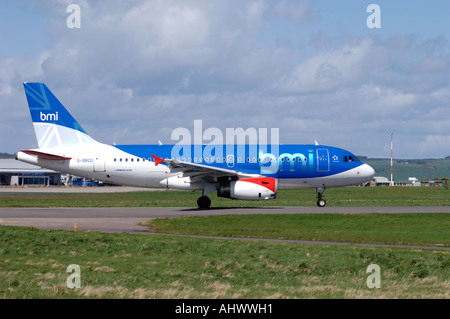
[[260, 188]]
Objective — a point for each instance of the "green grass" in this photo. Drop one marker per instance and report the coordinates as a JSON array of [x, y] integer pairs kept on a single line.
[[346, 196], [33, 264], [404, 229]]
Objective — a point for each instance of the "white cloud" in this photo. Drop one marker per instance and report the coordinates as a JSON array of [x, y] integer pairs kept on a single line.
[[350, 64], [296, 11], [167, 25], [255, 12]]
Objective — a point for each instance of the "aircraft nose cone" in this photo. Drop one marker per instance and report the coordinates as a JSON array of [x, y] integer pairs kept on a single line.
[[367, 171]]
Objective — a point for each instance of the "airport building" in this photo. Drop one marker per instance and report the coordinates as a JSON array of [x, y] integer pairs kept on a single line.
[[17, 173], [412, 181]]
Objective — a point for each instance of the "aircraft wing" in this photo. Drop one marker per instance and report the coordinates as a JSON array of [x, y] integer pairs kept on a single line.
[[200, 170]]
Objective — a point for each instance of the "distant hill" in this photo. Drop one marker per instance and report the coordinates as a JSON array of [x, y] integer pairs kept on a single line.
[[405, 168], [6, 155]]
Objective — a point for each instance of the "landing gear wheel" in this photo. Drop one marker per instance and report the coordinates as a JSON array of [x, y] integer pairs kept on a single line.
[[321, 203], [203, 202]]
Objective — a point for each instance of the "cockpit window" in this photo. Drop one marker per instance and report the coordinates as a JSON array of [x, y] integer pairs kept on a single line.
[[350, 159]]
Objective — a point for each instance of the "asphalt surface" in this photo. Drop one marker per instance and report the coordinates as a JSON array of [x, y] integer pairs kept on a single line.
[[127, 219]]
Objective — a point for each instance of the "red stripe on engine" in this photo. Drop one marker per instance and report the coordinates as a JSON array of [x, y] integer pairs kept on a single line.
[[268, 182]]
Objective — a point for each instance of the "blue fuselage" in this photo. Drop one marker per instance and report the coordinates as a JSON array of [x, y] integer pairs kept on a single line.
[[283, 161]]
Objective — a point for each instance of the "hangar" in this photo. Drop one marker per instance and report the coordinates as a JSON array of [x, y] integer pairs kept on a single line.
[[17, 173]]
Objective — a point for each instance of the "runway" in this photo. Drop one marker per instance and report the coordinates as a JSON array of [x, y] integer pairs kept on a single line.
[[127, 219]]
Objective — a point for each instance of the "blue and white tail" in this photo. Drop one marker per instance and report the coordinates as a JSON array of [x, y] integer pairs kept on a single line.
[[53, 124]]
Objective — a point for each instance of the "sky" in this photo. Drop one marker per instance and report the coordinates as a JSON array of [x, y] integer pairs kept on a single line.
[[135, 71]]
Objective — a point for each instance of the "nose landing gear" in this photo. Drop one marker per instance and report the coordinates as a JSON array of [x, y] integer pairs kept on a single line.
[[320, 201]]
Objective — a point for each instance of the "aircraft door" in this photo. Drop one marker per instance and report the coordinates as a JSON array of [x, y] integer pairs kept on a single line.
[[323, 160], [99, 165]]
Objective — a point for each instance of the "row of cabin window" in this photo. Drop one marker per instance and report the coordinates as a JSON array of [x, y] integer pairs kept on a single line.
[[131, 160], [207, 159]]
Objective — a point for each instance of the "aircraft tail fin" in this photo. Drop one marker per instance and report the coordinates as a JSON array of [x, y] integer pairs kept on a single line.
[[54, 126]]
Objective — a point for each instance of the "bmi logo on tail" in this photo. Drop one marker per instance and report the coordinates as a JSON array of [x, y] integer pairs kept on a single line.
[[50, 117]]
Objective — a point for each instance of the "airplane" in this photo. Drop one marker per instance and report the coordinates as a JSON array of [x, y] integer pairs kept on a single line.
[[65, 146]]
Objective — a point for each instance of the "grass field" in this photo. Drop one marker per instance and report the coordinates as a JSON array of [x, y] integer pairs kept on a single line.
[[402, 229], [346, 196], [33, 263]]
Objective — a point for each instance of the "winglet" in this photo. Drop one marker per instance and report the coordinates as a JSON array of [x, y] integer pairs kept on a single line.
[[157, 159]]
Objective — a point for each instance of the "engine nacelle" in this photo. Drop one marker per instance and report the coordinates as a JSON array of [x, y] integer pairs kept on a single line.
[[260, 188]]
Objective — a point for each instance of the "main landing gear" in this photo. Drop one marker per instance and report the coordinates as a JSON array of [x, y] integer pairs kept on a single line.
[[320, 201], [204, 202]]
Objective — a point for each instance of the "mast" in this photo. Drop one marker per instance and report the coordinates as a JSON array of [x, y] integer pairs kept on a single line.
[[392, 170]]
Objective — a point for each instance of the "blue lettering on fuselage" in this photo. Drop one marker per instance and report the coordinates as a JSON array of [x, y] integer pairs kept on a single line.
[[270, 164]]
